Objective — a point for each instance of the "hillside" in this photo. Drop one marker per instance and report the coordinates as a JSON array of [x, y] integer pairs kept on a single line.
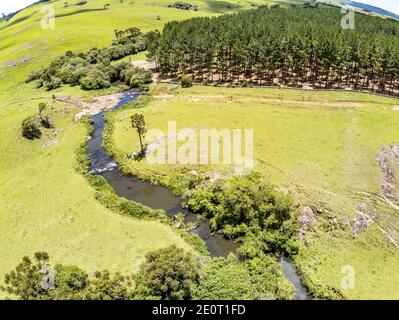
[[321, 147], [46, 204]]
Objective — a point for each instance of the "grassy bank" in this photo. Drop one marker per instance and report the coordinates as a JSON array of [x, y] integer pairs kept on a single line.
[[319, 146], [45, 203]]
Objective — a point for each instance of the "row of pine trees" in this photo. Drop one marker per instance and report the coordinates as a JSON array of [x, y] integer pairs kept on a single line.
[[293, 47]]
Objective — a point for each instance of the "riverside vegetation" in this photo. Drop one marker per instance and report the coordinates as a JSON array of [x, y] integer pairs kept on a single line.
[[78, 225]]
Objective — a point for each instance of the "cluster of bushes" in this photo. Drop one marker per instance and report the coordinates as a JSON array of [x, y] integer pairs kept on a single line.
[[233, 279], [250, 210], [183, 6], [168, 273], [31, 126], [93, 70]]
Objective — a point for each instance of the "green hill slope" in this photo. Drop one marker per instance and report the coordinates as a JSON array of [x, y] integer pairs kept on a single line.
[[46, 205]]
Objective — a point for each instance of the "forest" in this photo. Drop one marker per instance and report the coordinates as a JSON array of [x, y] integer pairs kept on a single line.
[[298, 47]]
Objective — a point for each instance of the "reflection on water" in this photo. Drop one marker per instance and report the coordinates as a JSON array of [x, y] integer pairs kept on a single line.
[[290, 272]]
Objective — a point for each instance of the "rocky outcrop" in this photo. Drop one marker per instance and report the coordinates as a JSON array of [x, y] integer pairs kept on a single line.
[[49, 143], [306, 219], [361, 222], [388, 161]]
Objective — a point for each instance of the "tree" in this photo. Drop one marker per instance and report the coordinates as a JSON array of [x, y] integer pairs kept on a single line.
[[69, 283], [138, 123], [104, 286], [224, 279], [30, 128], [44, 119], [167, 273], [38, 280], [283, 46], [26, 281]]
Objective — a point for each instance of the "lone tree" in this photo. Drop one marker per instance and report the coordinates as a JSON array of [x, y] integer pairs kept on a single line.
[[167, 274], [44, 119], [138, 123], [25, 281], [31, 128]]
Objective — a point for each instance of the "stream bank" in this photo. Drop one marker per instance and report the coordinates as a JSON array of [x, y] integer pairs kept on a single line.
[[159, 197]]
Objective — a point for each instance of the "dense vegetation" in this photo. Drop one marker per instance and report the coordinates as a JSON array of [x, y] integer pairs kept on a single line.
[[31, 126], [230, 279], [294, 47], [93, 70], [168, 273], [183, 6], [250, 210]]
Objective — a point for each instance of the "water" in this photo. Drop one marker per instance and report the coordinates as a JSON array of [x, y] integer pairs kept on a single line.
[[290, 272], [159, 197]]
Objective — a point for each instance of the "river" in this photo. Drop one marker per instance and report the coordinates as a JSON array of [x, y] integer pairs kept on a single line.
[[159, 197]]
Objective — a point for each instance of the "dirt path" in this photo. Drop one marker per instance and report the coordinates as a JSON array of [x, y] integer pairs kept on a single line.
[[99, 104], [148, 65]]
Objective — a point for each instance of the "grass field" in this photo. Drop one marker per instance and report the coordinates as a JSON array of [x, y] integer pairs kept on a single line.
[[45, 204], [320, 146]]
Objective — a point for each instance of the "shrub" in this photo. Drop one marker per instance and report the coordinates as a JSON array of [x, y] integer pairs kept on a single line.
[[245, 84], [93, 70], [140, 77], [69, 282], [224, 279], [95, 80], [53, 83], [30, 128], [167, 274], [105, 286], [186, 81], [247, 206]]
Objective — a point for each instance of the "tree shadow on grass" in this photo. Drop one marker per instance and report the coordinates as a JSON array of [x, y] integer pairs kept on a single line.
[[221, 6]]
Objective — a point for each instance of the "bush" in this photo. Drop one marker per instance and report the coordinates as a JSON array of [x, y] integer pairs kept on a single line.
[[53, 83], [167, 274], [186, 81], [140, 77], [92, 70], [224, 279], [30, 128], [248, 206], [69, 282], [95, 80]]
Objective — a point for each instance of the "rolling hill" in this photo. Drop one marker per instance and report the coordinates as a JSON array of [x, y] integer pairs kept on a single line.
[[319, 146]]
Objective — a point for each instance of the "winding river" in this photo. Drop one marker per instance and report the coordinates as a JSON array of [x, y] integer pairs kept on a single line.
[[159, 197]]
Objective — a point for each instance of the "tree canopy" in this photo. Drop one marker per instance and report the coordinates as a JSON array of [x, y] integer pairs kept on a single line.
[[284, 46]]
